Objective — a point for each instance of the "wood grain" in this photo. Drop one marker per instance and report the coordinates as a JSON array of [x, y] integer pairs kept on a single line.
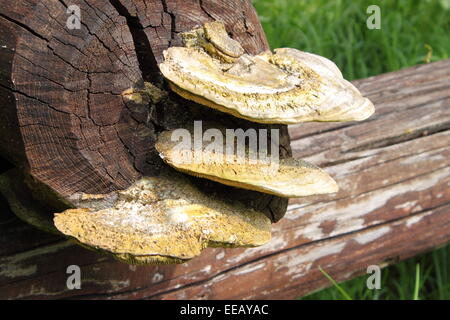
[[394, 203]]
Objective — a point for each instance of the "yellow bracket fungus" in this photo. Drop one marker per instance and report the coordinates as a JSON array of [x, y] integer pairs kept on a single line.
[[285, 177], [287, 86], [163, 219]]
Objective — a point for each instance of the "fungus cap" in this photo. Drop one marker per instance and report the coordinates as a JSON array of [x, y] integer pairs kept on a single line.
[[287, 86], [282, 177], [164, 219]]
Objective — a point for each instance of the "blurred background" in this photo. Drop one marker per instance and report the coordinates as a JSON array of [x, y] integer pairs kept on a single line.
[[411, 32]]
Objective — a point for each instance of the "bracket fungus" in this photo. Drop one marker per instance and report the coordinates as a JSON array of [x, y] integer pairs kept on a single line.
[[282, 177], [287, 86], [169, 218], [163, 219]]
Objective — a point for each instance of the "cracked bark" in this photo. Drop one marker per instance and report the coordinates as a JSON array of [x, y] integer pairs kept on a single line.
[[65, 123]]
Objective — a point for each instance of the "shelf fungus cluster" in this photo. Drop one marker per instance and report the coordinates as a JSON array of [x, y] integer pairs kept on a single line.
[[169, 218]]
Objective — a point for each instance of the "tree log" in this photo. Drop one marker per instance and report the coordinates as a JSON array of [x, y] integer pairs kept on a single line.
[[65, 122], [394, 203]]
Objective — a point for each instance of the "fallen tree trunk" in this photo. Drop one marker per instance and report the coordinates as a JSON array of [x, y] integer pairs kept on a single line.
[[393, 204], [66, 124]]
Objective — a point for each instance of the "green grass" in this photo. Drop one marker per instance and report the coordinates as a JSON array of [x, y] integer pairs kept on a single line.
[[412, 32], [424, 277], [337, 30]]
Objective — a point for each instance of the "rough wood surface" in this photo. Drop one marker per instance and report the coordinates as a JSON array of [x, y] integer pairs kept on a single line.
[[394, 203]]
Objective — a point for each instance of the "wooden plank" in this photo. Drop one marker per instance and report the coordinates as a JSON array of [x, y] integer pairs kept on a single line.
[[394, 202]]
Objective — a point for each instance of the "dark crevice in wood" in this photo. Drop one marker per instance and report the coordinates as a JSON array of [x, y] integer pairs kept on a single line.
[[382, 163], [355, 195], [172, 21], [5, 165], [98, 39], [341, 161], [33, 98], [345, 160], [430, 87], [41, 75], [23, 26], [402, 138], [299, 136], [202, 6], [146, 58]]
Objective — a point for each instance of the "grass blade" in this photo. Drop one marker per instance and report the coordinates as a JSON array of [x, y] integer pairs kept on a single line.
[[336, 285], [417, 284]]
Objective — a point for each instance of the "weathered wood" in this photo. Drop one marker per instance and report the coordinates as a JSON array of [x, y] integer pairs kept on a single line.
[[394, 203]]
